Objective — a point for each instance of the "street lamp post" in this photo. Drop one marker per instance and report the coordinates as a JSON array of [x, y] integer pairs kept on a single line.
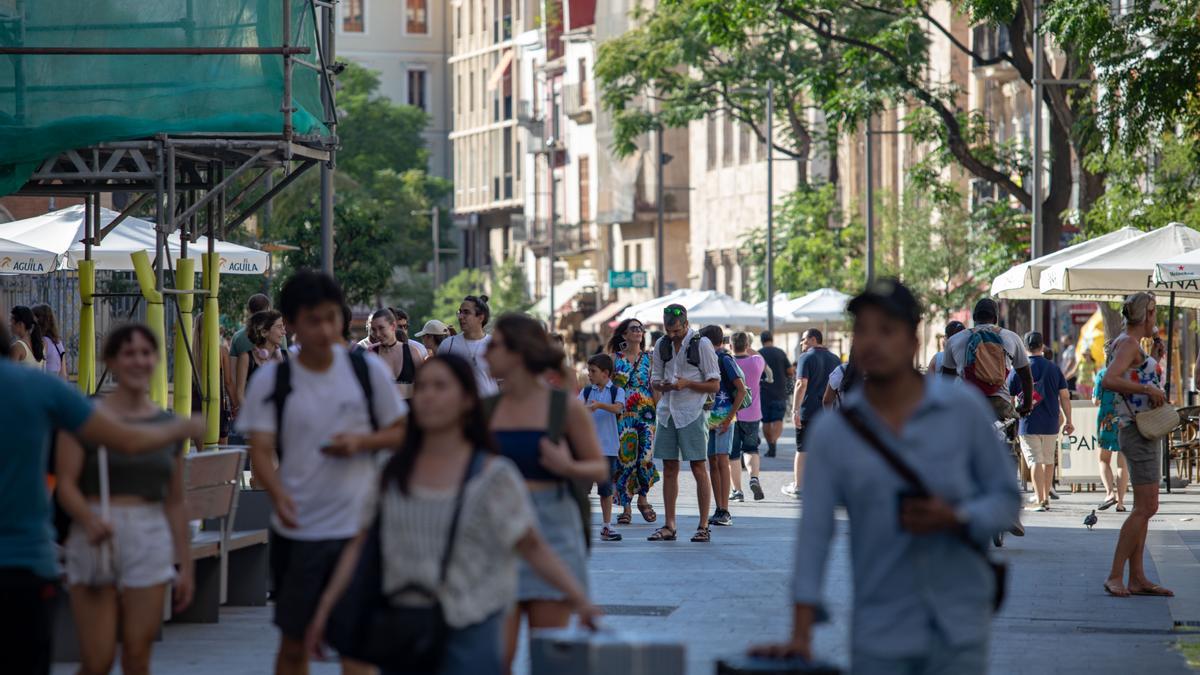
[[770, 206], [659, 276], [870, 206]]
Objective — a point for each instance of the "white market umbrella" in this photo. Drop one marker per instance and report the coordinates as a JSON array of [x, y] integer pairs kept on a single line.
[[650, 311], [824, 305], [1118, 269], [711, 307], [18, 258], [1022, 282], [61, 233], [1182, 271]]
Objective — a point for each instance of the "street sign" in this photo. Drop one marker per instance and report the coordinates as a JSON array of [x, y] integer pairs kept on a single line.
[[627, 279]]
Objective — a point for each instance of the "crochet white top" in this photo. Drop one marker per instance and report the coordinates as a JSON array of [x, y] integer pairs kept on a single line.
[[482, 575]]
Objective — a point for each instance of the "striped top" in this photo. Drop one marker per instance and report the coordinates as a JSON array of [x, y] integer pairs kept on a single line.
[[481, 578]]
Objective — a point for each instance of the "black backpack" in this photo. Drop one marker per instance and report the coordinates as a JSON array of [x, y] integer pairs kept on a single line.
[[283, 387], [612, 394], [666, 352]]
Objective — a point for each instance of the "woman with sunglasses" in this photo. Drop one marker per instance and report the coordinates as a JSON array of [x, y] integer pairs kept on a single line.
[[636, 426]]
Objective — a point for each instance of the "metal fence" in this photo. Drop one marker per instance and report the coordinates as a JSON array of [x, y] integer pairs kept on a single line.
[[60, 290]]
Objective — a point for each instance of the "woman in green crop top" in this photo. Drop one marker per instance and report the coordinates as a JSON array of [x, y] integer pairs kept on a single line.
[[119, 566]]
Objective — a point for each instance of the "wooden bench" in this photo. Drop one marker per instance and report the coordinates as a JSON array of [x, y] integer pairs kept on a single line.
[[231, 566]]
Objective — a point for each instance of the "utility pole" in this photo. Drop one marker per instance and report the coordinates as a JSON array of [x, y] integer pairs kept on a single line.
[[327, 190], [435, 218], [552, 144], [770, 206], [1035, 241], [659, 280], [870, 206]]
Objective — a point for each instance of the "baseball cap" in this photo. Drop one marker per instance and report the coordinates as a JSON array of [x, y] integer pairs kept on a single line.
[[985, 309], [892, 297], [433, 327], [1034, 340]]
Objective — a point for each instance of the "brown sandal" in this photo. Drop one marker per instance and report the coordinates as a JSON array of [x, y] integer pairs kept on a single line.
[[702, 536], [624, 519], [663, 534], [648, 513]]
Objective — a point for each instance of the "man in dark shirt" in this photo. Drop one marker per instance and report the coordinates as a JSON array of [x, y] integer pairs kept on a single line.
[[774, 390], [812, 376]]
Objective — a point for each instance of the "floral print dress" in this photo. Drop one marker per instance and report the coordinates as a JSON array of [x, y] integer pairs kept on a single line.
[[635, 430], [1106, 414]]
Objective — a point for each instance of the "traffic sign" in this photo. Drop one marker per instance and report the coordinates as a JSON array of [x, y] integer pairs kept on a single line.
[[628, 279]]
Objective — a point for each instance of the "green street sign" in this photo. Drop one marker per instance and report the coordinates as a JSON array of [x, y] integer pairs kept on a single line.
[[628, 279]]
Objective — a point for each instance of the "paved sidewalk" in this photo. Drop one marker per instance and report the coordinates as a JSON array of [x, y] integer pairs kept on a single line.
[[718, 598]]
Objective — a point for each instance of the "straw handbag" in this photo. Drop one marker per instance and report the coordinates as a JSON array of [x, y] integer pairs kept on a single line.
[[1157, 422]]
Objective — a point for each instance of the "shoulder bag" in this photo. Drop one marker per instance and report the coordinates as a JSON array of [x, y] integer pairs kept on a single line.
[[366, 626], [999, 569]]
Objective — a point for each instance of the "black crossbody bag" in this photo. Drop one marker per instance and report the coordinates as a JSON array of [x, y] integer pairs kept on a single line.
[[366, 626], [999, 568]]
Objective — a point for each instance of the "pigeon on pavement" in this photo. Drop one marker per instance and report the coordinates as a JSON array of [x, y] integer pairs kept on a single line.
[[1090, 519]]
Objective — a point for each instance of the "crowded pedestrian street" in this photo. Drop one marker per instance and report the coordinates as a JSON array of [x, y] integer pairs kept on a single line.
[[619, 337], [718, 600]]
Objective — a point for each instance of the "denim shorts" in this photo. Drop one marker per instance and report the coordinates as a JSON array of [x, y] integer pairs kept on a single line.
[[720, 442], [745, 440], [560, 524], [774, 409], [688, 444], [605, 488]]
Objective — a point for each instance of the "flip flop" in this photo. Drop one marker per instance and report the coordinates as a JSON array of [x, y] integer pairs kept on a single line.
[[1108, 504], [1113, 593], [1154, 590], [1121, 508]]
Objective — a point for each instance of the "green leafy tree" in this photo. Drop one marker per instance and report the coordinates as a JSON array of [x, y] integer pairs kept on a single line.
[[816, 246], [508, 291], [1148, 187]]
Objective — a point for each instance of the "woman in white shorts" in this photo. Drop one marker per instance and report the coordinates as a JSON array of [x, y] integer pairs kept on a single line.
[[119, 567]]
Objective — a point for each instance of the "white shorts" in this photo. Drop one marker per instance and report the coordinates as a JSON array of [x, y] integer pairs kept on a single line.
[[1039, 448], [140, 554]]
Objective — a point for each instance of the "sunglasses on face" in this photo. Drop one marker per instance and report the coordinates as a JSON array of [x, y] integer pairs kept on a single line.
[[635, 329]]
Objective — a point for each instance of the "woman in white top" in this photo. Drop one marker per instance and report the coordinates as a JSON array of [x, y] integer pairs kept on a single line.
[[418, 490], [472, 343], [56, 353], [28, 348]]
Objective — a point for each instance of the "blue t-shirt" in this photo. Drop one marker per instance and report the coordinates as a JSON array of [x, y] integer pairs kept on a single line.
[[722, 404], [36, 407], [815, 365], [606, 422], [1048, 380]]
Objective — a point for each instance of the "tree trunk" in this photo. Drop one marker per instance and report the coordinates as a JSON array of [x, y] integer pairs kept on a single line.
[[1058, 197], [832, 149]]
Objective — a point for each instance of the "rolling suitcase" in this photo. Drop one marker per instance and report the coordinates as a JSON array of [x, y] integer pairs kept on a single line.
[[750, 665], [559, 651]]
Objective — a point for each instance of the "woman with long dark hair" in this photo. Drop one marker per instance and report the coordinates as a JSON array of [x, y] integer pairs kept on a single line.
[[635, 428], [27, 347], [523, 420], [447, 438], [266, 332], [120, 564], [56, 361]]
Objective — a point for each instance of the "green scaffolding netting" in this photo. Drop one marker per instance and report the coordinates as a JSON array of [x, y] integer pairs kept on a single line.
[[52, 103]]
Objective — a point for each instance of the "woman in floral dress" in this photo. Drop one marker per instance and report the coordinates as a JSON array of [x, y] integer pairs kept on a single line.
[[636, 427]]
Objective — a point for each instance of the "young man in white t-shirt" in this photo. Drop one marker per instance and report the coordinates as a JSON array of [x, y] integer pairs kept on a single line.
[[472, 343], [320, 482]]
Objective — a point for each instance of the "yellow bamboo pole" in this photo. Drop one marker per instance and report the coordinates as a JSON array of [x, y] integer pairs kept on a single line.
[[155, 319], [211, 341], [87, 327], [185, 280]]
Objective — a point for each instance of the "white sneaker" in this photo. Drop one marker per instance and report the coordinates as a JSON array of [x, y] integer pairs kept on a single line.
[[790, 490], [1032, 500]]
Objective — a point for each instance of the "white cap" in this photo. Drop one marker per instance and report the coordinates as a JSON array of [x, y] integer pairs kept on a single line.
[[433, 327]]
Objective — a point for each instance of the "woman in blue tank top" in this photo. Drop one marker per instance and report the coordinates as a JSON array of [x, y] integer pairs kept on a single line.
[[519, 353]]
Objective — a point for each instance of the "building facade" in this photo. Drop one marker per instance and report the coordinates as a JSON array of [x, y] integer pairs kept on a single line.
[[407, 42]]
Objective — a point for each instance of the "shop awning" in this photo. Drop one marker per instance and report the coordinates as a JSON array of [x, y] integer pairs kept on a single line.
[[608, 314]]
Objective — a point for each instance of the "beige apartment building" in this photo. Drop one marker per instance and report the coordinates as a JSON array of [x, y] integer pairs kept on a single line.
[[407, 43]]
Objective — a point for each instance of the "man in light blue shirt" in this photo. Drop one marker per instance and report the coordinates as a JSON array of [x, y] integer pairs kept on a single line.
[[922, 587]]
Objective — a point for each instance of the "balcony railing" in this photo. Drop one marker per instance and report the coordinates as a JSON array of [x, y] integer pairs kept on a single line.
[[569, 239], [989, 42]]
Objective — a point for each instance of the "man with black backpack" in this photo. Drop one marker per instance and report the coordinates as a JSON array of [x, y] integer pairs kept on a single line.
[[298, 413], [984, 356], [683, 369]]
